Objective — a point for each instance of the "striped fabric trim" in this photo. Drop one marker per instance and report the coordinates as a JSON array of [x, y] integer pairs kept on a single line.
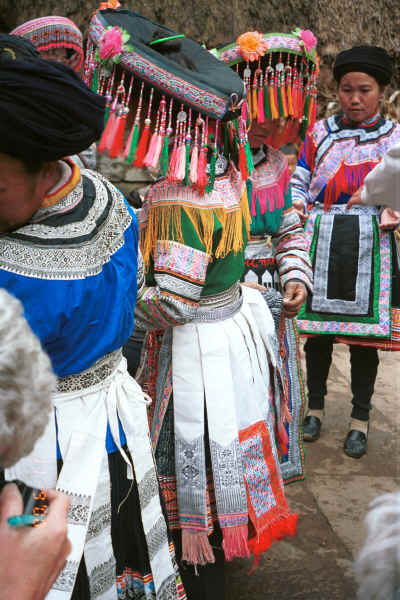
[[183, 261]]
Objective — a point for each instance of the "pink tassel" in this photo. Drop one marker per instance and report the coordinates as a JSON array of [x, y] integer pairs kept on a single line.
[[172, 163], [194, 161], [128, 143], [157, 152], [261, 114], [235, 542], [180, 163], [149, 158], [196, 548]]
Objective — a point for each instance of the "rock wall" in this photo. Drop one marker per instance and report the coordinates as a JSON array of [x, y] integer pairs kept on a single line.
[[337, 23]]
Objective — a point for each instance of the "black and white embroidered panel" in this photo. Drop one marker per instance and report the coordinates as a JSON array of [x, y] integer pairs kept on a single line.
[[334, 258], [102, 578], [230, 490], [66, 579], [148, 488], [156, 537], [79, 507], [99, 520], [71, 248], [191, 475]]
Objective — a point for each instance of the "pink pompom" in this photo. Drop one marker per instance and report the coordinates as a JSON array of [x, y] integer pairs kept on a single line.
[[110, 43], [309, 39]]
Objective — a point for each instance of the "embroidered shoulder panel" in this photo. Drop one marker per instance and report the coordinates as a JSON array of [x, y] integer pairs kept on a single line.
[[269, 172], [181, 260], [69, 249], [226, 195]]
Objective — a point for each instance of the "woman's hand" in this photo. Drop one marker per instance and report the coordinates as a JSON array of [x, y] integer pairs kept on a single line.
[[299, 208], [255, 286], [31, 558], [355, 199], [390, 219], [293, 299]]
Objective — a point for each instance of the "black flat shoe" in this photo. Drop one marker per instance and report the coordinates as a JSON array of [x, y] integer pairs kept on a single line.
[[355, 444], [311, 428]]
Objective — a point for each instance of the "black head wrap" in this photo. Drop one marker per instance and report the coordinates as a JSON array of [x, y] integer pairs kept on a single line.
[[373, 60], [46, 111]]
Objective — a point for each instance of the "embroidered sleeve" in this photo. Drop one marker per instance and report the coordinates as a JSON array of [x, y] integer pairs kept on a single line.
[[291, 250], [179, 275], [140, 274], [301, 178]]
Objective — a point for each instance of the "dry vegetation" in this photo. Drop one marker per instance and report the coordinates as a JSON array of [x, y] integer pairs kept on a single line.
[[337, 23]]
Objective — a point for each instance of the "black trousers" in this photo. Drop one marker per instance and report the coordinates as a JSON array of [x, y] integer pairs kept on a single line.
[[209, 581], [364, 368]]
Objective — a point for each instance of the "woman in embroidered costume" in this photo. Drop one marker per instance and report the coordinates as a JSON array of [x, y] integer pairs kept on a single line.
[[271, 206], [58, 38], [356, 297], [210, 355], [69, 253]]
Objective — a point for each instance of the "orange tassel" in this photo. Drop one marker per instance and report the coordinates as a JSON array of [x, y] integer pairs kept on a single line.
[[273, 102], [249, 107], [255, 103]]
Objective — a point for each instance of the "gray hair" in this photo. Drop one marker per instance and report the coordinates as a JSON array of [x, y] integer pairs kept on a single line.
[[378, 565], [26, 383]]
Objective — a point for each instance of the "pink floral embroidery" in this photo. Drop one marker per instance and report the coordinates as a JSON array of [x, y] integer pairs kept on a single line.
[[110, 43], [309, 39]]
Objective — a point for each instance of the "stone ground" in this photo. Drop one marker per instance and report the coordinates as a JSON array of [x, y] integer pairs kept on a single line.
[[332, 502]]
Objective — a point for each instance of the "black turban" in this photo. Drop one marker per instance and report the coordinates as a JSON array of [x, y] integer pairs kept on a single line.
[[373, 60], [46, 111]]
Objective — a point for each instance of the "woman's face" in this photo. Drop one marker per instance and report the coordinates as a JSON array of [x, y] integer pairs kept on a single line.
[[359, 96]]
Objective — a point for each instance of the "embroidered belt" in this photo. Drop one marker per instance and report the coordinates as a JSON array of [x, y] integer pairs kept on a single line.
[[340, 209], [99, 371], [218, 307]]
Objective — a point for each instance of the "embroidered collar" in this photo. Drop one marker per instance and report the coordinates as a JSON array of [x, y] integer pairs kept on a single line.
[[364, 124], [70, 178]]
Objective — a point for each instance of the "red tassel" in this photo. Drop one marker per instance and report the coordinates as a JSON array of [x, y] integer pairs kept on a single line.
[[107, 131], [144, 138], [283, 527], [243, 163], [202, 178], [142, 146], [116, 144]]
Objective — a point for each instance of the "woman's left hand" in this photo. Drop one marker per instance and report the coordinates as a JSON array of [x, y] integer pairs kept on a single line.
[[390, 219], [255, 286], [293, 299]]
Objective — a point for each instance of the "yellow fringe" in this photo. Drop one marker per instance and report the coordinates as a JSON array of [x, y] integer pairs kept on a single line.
[[165, 223]]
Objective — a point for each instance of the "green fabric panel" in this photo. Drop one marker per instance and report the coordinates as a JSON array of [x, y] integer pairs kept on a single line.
[[221, 273], [224, 272]]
